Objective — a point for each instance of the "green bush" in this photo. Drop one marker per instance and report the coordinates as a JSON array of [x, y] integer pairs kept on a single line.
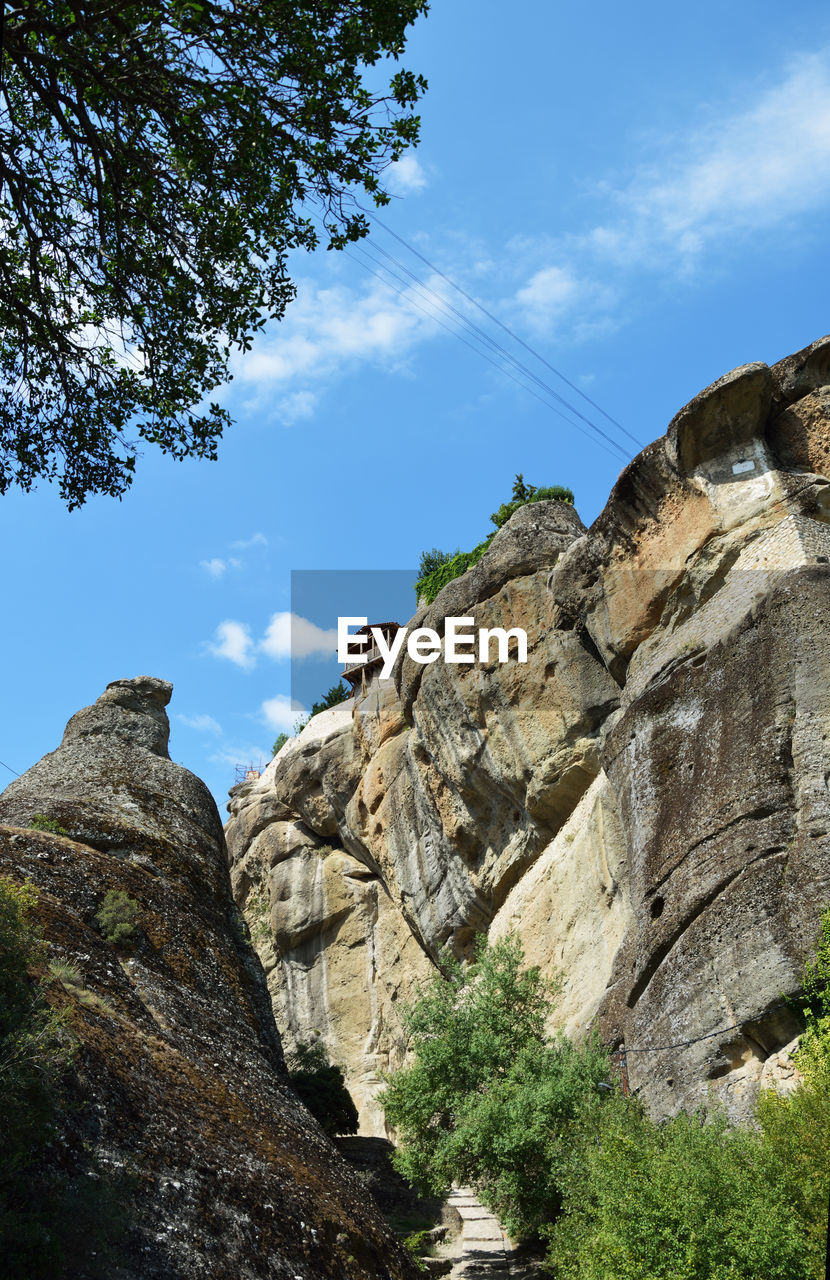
[[437, 568], [429, 584], [683, 1200], [505, 511], [117, 917], [431, 560], [489, 1099], [279, 743], [321, 1086], [696, 1200], [41, 823]]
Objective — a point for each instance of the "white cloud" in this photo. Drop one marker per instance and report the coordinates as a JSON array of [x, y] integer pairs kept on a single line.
[[214, 567], [233, 641], [749, 171], [241, 754], [327, 331], [205, 724], [406, 177], [291, 636], [256, 540], [281, 712]]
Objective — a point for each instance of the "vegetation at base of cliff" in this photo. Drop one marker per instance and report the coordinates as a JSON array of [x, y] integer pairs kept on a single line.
[[59, 1216], [117, 917], [555, 1150], [436, 568], [321, 1087], [489, 1099]]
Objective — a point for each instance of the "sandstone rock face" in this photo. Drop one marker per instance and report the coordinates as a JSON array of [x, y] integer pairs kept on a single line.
[[179, 1064], [646, 801]]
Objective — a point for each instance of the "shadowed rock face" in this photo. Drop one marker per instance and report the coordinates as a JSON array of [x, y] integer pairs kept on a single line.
[[179, 1064], [645, 801]]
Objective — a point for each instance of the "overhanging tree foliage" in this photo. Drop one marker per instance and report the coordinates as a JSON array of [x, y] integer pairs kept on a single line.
[[158, 161]]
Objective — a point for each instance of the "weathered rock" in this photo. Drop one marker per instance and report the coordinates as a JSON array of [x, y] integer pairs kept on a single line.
[[645, 801], [179, 1064]]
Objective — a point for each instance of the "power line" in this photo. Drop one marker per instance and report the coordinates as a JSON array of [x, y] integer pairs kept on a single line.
[[502, 325], [491, 342], [405, 293], [684, 1044], [5, 766]]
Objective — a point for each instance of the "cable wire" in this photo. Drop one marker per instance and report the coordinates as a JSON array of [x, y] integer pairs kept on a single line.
[[491, 342], [684, 1044], [431, 315], [501, 325]]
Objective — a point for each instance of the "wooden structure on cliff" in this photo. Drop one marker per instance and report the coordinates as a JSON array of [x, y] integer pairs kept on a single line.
[[361, 676]]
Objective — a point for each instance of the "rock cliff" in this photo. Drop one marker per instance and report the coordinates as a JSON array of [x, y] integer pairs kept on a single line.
[[179, 1075], [646, 801]]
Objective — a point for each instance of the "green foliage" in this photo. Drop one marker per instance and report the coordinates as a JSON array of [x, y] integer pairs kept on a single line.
[[689, 1200], [419, 1245], [160, 164], [489, 1100], [321, 1086], [524, 493], [279, 743], [685, 1200], [429, 584], [41, 823], [337, 693], [432, 560], [437, 568], [117, 917]]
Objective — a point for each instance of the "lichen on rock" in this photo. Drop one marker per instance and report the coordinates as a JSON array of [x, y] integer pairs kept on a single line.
[[178, 1072]]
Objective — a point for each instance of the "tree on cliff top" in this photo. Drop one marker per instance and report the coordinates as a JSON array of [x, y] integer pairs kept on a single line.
[[158, 161]]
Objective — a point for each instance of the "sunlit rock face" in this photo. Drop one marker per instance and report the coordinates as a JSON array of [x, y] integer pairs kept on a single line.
[[644, 801], [178, 1074]]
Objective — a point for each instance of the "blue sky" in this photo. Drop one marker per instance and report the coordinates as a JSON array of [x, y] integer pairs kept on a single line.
[[641, 194]]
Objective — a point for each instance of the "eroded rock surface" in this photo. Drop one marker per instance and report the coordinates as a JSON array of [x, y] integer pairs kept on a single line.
[[179, 1065], [646, 801]]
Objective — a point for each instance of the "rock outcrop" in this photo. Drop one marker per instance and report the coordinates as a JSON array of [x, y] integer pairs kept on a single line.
[[646, 801], [178, 1067]]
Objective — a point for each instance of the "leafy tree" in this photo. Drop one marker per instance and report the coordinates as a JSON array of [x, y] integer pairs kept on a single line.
[[431, 560], [321, 1086], [437, 568], [697, 1200], [429, 584], [489, 1098], [158, 162], [331, 698], [279, 743]]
